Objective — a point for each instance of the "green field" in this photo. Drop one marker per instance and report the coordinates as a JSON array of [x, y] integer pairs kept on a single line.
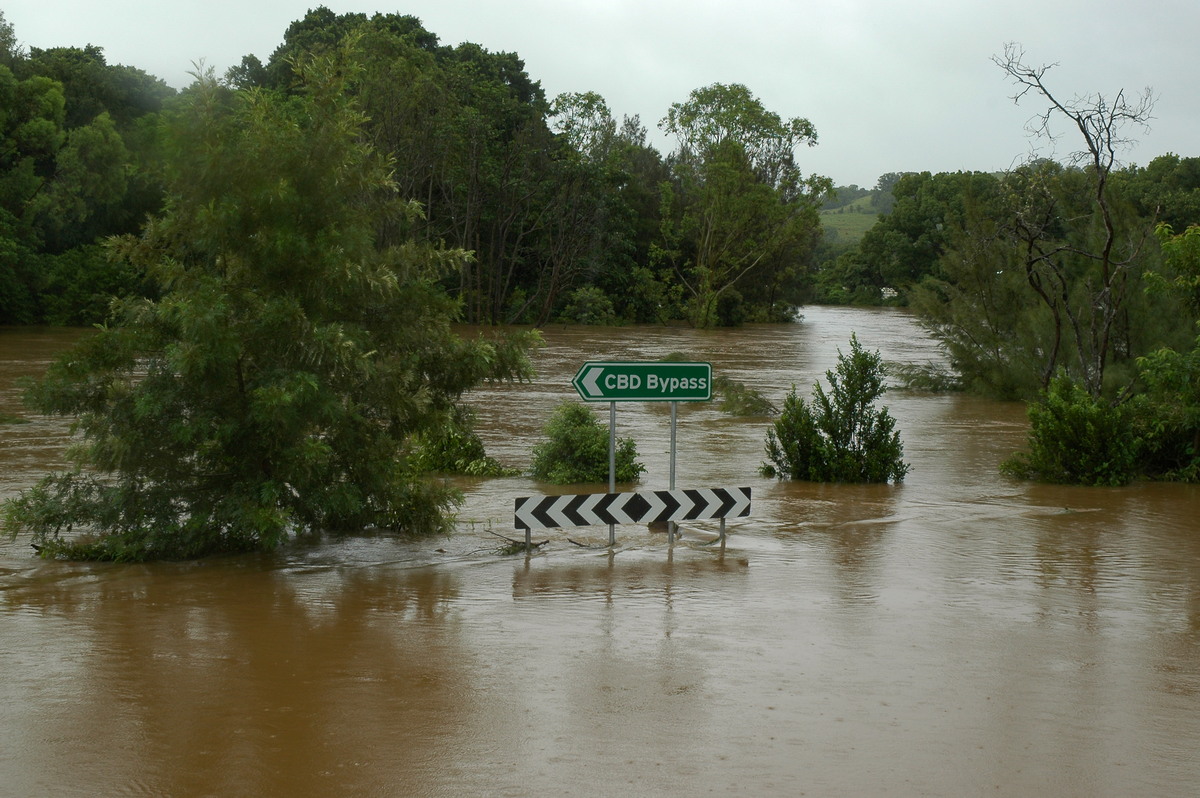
[[851, 221]]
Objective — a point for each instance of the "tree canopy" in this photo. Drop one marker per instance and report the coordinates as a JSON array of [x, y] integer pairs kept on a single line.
[[279, 382]]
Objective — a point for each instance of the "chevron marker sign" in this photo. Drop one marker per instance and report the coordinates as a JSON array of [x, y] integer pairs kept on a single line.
[[643, 381], [539, 512]]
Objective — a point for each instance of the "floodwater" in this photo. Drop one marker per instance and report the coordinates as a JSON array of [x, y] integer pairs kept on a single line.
[[961, 634]]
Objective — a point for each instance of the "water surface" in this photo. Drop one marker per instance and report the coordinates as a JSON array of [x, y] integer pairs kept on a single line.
[[960, 634]]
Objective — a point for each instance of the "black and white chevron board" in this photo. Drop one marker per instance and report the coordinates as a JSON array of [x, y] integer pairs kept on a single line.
[[584, 509]]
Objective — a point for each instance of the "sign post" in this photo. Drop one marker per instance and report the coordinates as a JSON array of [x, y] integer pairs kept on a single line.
[[641, 381], [612, 464]]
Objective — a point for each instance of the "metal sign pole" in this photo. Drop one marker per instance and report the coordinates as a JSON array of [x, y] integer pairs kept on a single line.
[[674, 412], [612, 464]]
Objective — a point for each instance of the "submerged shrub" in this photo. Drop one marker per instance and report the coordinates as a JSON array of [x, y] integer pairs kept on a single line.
[[589, 305], [1077, 439], [455, 448], [841, 436], [739, 400], [576, 449]]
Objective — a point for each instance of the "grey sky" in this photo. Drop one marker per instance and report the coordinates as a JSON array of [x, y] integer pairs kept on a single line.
[[891, 85]]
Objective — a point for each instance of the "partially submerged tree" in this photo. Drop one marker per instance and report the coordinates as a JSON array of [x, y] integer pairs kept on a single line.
[[841, 436], [738, 205], [1078, 439], [280, 383]]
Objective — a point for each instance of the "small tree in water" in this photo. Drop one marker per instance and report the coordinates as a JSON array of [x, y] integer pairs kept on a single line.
[[841, 436], [293, 363], [576, 449]]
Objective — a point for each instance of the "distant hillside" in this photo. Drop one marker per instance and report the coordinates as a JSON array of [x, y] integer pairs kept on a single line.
[[853, 219]]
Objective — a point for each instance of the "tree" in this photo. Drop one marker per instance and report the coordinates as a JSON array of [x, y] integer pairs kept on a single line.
[[841, 436], [91, 86], [738, 204], [1182, 255], [74, 168], [1081, 262], [1169, 412], [279, 383], [31, 137], [979, 307], [10, 48], [904, 246]]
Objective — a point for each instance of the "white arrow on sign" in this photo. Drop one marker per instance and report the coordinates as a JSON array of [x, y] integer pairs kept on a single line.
[[590, 379]]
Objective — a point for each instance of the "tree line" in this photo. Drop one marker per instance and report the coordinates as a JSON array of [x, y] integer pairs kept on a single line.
[[1070, 284], [277, 256], [568, 213]]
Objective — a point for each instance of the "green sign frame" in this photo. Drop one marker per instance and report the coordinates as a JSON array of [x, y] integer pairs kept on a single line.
[[643, 381]]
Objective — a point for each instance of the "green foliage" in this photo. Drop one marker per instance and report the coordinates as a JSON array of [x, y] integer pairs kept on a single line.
[[576, 449], [279, 383], [1018, 292], [738, 210], [1168, 414], [589, 305], [80, 284], [1182, 255], [841, 436], [74, 168], [1077, 439], [905, 245], [739, 400], [18, 301], [454, 447], [1167, 189]]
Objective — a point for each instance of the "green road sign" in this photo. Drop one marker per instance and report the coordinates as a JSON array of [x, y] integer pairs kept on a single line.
[[600, 381]]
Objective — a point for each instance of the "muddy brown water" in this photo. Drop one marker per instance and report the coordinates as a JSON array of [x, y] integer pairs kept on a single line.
[[961, 634]]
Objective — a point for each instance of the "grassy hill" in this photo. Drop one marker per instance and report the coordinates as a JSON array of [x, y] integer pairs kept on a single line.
[[851, 220]]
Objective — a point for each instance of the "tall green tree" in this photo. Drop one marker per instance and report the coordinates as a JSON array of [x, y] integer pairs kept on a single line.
[[905, 246], [611, 177], [738, 204], [280, 383], [31, 136]]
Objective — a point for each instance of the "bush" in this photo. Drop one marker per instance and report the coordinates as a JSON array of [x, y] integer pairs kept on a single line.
[[841, 436], [1168, 415], [1077, 439], [455, 448], [589, 305], [576, 449], [731, 309], [738, 400]]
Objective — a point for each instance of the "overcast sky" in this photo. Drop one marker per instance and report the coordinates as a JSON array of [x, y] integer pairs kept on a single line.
[[891, 85]]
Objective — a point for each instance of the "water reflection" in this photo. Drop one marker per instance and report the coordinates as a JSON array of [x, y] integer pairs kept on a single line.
[[666, 572], [218, 678]]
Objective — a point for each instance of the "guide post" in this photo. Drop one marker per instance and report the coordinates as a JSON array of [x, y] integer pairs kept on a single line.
[[642, 381]]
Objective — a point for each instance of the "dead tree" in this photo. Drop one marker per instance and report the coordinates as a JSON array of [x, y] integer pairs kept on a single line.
[[1087, 308]]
